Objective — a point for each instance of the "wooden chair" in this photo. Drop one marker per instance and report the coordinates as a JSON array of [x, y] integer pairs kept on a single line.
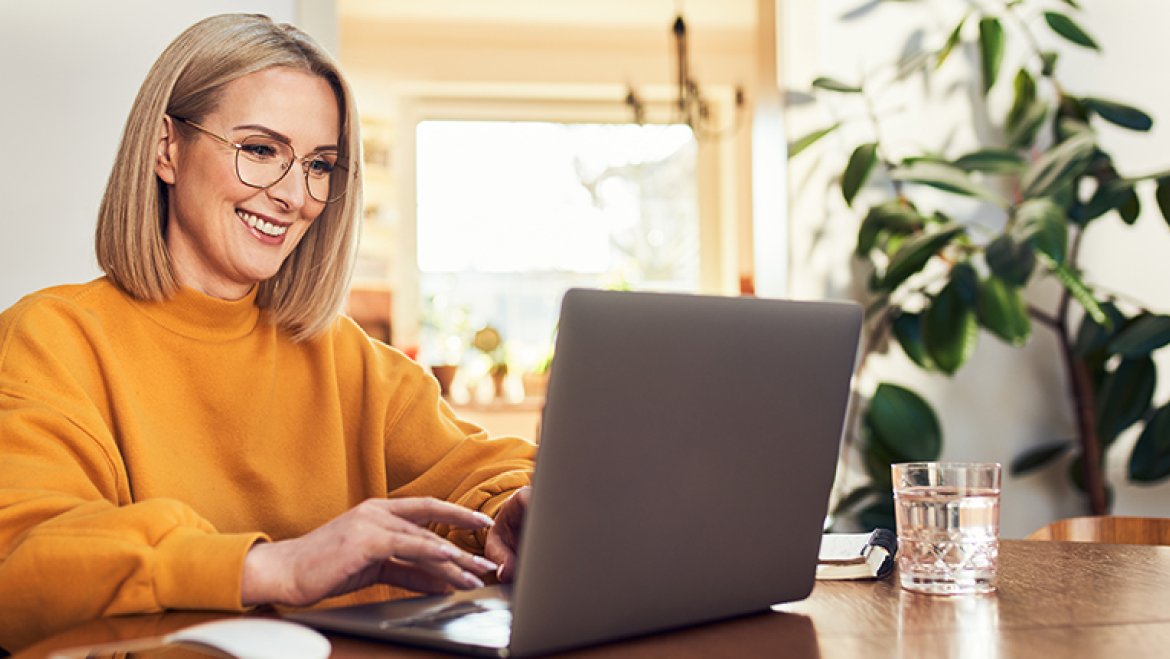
[[1108, 529]]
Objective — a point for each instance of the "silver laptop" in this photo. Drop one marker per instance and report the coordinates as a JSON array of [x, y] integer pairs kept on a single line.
[[687, 450]]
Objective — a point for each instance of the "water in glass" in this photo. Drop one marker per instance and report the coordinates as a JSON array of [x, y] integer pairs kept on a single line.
[[948, 539]]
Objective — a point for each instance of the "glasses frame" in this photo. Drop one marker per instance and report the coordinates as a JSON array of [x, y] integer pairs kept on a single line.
[[239, 146]]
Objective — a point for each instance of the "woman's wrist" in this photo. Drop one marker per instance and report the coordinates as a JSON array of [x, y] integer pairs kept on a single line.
[[259, 582]]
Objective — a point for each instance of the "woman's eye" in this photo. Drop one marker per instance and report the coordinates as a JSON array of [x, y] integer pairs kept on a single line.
[[260, 151], [321, 166]]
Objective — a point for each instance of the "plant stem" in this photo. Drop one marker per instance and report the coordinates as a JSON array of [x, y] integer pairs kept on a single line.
[[1080, 384], [1083, 399]]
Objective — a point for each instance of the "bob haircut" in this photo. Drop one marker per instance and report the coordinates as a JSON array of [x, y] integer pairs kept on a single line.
[[187, 81]]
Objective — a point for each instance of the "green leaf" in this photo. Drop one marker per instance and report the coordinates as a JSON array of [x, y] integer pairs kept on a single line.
[[914, 159], [943, 177], [1041, 224], [903, 424], [810, 139], [1077, 288], [1150, 460], [1010, 260], [860, 165], [833, 85], [966, 282], [990, 50], [1145, 334], [1125, 397], [1002, 311], [1130, 207], [1072, 3], [879, 515], [916, 253], [1024, 97], [1122, 115], [991, 161], [1067, 127], [949, 329], [1108, 196], [952, 41], [1163, 196], [1067, 28], [1094, 336], [1048, 59], [897, 216], [907, 328], [1024, 133], [1038, 456], [1073, 109], [876, 458], [1058, 166]]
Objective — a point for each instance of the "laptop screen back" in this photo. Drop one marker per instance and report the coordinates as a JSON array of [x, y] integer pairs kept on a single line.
[[688, 447]]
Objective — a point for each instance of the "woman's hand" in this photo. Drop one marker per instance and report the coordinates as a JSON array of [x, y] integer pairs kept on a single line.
[[377, 541], [503, 541]]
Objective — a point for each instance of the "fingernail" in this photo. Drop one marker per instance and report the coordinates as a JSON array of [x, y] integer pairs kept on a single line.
[[472, 580], [484, 518], [484, 564], [450, 551]]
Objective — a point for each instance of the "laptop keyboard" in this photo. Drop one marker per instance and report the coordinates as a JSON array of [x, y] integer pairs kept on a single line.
[[482, 622]]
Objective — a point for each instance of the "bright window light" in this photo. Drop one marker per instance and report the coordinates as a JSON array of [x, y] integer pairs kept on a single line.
[[512, 214]]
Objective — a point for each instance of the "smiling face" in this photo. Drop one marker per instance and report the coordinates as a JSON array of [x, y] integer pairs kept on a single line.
[[224, 236]]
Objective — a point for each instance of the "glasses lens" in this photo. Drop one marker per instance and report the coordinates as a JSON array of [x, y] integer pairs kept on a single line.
[[262, 161], [325, 176]]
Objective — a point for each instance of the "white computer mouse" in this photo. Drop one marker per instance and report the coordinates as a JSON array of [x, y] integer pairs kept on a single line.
[[256, 638]]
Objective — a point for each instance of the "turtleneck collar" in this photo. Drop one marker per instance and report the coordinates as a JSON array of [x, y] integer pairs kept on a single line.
[[201, 316]]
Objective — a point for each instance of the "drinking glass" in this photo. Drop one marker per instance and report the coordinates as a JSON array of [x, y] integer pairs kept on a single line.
[[948, 526]]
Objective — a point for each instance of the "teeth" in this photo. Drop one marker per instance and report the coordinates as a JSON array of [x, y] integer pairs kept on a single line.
[[267, 228]]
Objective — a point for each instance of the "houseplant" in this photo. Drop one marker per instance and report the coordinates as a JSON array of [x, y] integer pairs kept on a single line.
[[940, 269], [487, 340]]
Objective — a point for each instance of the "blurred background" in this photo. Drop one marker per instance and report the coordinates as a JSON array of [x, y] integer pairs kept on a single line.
[[515, 148]]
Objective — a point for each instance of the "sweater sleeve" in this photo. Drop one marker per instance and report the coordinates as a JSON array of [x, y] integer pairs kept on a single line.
[[431, 452], [73, 543]]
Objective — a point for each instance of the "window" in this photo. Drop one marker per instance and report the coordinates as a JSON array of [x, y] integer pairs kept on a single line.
[[512, 214]]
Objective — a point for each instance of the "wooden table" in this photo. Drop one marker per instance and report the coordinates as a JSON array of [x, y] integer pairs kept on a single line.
[[1056, 600]]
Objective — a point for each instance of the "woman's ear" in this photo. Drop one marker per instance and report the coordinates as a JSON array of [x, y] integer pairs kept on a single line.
[[164, 165]]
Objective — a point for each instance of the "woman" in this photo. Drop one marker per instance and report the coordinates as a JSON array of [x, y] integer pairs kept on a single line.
[[200, 428]]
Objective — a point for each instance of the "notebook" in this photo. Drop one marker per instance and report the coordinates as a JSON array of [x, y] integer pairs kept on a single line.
[[687, 451]]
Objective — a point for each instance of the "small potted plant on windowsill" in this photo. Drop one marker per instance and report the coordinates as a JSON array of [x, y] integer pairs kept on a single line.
[[487, 340], [445, 341]]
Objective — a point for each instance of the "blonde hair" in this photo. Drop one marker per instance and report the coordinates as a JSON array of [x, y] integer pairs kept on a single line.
[[187, 81]]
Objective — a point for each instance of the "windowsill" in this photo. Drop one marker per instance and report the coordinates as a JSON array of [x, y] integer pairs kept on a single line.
[[529, 404]]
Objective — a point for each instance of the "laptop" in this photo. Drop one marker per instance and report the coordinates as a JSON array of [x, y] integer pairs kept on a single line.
[[687, 450]]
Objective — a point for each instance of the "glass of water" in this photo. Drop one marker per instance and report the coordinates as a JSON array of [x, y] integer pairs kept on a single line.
[[948, 526]]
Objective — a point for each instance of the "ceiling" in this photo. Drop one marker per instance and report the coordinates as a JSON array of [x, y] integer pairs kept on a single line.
[[709, 14]]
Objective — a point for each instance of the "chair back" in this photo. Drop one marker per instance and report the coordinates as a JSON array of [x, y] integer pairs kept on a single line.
[[1108, 529]]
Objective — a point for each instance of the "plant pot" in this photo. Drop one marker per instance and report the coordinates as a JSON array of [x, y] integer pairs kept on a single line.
[[445, 374]]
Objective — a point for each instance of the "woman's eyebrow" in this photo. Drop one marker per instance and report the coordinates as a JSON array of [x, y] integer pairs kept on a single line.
[[282, 137]]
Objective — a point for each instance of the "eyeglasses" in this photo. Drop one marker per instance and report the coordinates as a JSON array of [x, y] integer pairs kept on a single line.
[[263, 161]]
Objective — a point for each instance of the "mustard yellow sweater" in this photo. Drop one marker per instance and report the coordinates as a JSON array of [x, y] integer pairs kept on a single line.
[[144, 447]]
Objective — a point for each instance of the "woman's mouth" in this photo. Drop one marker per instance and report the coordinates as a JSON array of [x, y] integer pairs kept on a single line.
[[265, 227]]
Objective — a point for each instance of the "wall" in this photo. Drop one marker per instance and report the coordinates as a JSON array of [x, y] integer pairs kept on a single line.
[[1005, 400], [70, 72]]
